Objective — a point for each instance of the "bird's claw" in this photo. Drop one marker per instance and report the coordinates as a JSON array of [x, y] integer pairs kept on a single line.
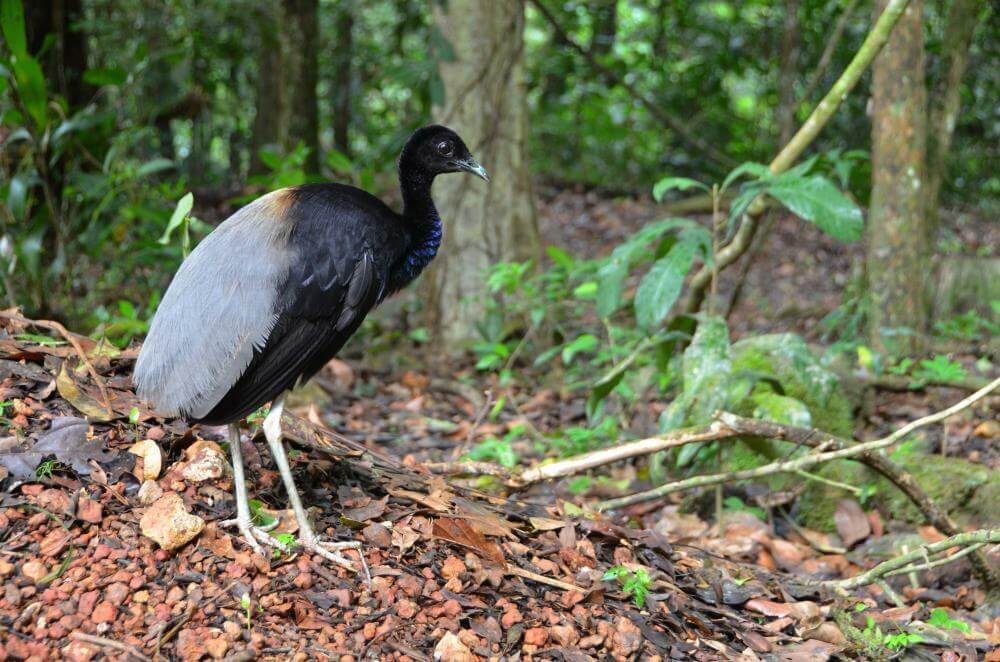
[[331, 552], [252, 534]]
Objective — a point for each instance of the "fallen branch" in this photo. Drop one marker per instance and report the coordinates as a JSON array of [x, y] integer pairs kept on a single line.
[[806, 134], [752, 427], [971, 541], [110, 644]]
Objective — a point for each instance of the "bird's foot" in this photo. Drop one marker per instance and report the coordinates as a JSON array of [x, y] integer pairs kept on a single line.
[[331, 552], [254, 535]]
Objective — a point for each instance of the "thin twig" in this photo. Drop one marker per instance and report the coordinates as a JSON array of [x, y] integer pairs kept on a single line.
[[111, 644], [902, 562], [542, 579], [917, 567], [71, 339]]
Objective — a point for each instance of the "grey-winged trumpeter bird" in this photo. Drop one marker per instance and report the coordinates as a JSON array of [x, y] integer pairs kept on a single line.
[[274, 292]]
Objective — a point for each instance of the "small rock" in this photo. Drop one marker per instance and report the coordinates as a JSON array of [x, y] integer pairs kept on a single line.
[[55, 501], [77, 651], [406, 608], [169, 524], [232, 630], [6, 568], [536, 637], [140, 597], [189, 645], [564, 635], [452, 567], [377, 535], [34, 570], [451, 649], [152, 459], [149, 492], [510, 617], [54, 542], [206, 461], [89, 510], [116, 593], [627, 637], [104, 612], [217, 647], [87, 602]]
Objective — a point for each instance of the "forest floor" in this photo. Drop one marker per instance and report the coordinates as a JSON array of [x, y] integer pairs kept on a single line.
[[456, 575]]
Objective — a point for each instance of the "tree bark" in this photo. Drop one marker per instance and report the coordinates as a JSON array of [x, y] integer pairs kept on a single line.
[[898, 239], [791, 42], [962, 19], [485, 104], [342, 80], [270, 124], [66, 60], [300, 23]]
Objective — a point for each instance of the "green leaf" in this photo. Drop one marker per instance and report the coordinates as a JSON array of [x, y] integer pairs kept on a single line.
[[12, 24], [583, 343], [675, 183], [660, 288], [338, 161], [586, 290], [817, 200], [154, 166], [31, 86], [17, 196], [181, 211], [99, 76], [758, 170], [560, 257]]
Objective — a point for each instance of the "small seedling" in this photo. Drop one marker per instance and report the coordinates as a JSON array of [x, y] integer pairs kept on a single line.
[[45, 469], [898, 642], [247, 609], [634, 583], [285, 539], [257, 514], [940, 619], [736, 504]]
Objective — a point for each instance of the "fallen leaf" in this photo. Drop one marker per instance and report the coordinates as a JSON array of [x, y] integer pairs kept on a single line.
[[66, 439], [462, 533], [852, 523], [80, 399], [374, 508]]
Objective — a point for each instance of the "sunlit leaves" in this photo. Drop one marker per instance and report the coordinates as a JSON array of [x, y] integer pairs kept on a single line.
[[675, 183], [12, 24], [181, 212], [660, 288], [817, 200]]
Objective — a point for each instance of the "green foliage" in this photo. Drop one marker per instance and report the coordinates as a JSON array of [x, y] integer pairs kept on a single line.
[[496, 450], [941, 369], [634, 583], [940, 619], [257, 514], [735, 504]]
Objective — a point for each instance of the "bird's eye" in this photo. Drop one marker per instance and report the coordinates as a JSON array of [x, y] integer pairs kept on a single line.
[[445, 148]]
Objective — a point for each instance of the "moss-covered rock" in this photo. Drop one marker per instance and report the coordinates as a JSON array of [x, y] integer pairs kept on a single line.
[[951, 482], [817, 504], [983, 508], [786, 359]]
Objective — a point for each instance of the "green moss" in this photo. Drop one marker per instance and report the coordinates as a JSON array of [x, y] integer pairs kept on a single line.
[[786, 359], [949, 481], [818, 502]]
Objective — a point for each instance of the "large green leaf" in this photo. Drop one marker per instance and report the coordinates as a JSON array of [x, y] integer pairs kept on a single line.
[[817, 200], [99, 76], [611, 276], [660, 288], [31, 86], [12, 24]]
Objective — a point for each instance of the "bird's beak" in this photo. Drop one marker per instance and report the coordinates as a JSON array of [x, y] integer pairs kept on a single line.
[[471, 165]]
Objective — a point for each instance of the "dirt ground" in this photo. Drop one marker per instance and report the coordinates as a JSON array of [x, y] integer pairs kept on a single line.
[[457, 573]]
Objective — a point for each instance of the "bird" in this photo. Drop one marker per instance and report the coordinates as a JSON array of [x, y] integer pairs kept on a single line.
[[272, 294]]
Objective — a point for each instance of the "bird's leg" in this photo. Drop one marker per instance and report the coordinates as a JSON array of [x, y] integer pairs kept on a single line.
[[243, 521], [307, 537]]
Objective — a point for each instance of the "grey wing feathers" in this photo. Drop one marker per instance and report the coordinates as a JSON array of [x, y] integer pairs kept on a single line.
[[219, 308]]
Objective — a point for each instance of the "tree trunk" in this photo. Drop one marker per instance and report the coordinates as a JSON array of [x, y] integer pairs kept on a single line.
[[270, 124], [962, 19], [66, 59], [898, 241], [300, 23], [485, 104], [788, 71], [342, 80]]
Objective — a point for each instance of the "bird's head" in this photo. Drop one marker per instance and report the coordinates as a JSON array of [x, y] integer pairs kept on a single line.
[[435, 150]]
